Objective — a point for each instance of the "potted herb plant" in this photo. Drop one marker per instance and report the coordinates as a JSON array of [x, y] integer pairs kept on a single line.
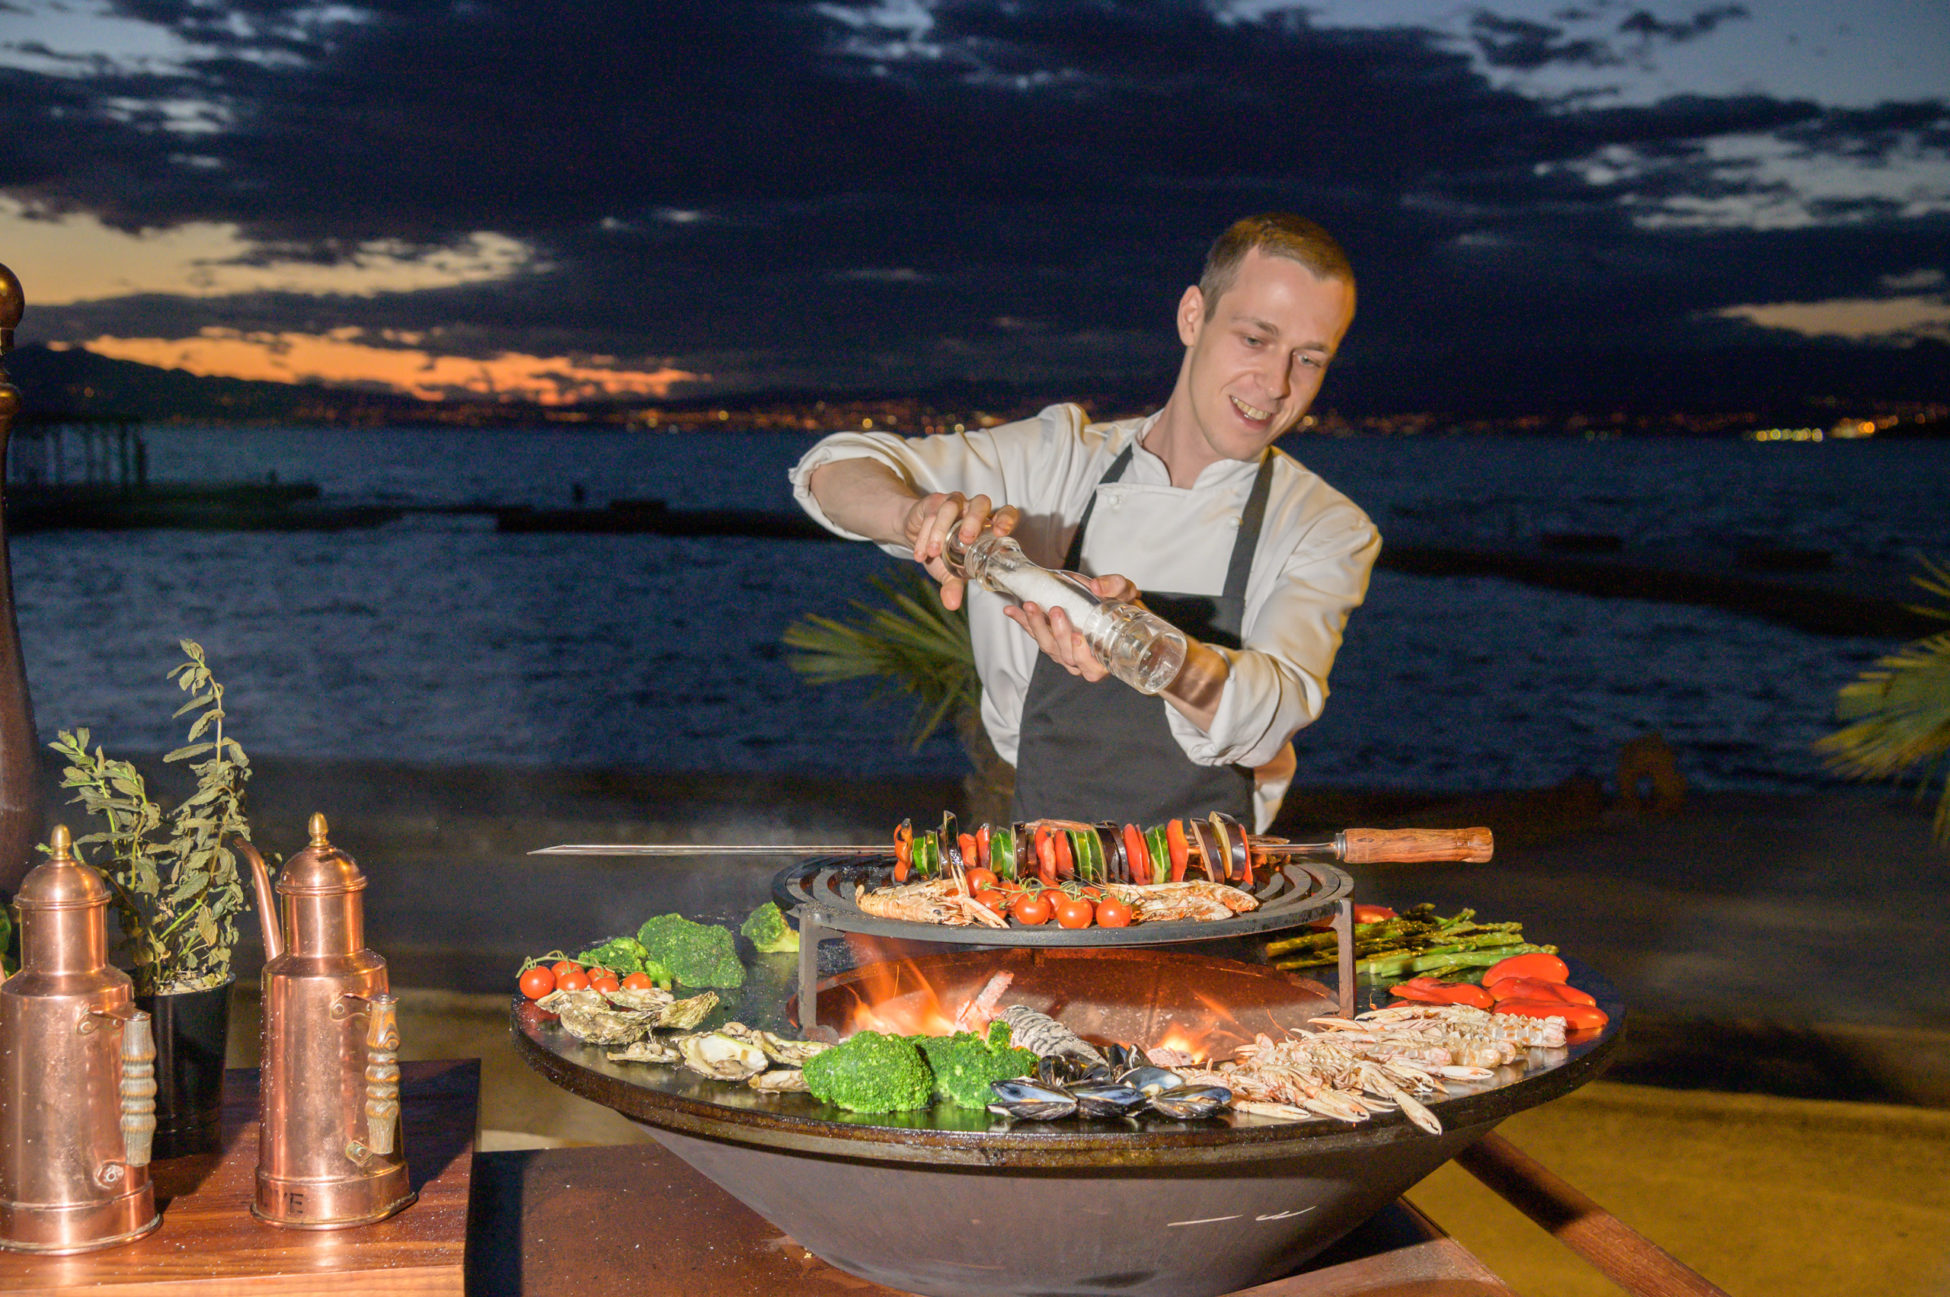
[[176, 896]]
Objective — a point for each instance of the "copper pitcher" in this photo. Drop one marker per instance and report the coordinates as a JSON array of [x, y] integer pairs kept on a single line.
[[328, 1147], [77, 1073]]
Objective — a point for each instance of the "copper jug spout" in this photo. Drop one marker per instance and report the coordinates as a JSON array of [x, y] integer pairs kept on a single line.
[[267, 902]]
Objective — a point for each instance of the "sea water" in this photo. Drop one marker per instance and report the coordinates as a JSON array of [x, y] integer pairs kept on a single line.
[[438, 639]]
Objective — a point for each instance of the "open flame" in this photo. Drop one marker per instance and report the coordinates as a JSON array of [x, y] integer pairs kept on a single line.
[[1154, 1001]]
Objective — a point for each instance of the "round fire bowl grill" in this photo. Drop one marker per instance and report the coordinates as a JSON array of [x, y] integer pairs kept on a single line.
[[953, 1201]]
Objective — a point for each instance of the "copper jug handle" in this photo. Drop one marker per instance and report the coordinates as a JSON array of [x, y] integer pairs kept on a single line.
[[138, 1084], [382, 1073], [138, 1088]]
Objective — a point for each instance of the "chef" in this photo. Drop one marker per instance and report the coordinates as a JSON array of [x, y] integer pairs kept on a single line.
[[1191, 509]]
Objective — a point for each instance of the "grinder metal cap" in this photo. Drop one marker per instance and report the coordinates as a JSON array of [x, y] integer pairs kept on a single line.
[[321, 869], [61, 882]]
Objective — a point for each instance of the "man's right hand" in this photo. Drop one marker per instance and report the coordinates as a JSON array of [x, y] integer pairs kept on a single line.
[[933, 518]]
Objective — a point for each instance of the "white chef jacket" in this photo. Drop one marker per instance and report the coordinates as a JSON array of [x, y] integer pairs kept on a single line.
[[1311, 567]]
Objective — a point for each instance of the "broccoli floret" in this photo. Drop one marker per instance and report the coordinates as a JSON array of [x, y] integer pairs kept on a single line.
[[965, 1063], [623, 956], [697, 954], [766, 929], [870, 1072]]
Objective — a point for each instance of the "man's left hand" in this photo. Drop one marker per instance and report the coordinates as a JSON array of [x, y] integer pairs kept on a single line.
[[1061, 641]]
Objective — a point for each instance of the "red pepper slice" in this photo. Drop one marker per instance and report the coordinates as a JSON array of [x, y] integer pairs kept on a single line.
[[1134, 850], [970, 856], [1530, 988], [1543, 966], [1066, 865], [1045, 855], [1180, 849], [982, 847], [903, 850]]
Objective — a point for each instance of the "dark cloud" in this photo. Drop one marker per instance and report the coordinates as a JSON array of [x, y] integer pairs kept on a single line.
[[1525, 46], [771, 191], [1641, 23]]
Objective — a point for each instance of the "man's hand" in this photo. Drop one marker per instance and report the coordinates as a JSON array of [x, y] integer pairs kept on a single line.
[[934, 518], [1063, 642], [865, 496]]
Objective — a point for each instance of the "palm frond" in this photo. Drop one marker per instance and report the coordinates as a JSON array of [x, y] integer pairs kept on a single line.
[[914, 645], [1900, 714]]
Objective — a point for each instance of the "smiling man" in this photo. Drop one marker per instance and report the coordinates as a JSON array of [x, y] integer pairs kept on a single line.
[[1256, 558]]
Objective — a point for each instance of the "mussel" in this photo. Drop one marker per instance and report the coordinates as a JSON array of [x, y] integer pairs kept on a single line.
[[1106, 1098], [1151, 1080], [1025, 1100], [1191, 1102]]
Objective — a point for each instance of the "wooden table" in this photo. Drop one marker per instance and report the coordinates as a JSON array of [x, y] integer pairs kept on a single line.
[[210, 1245], [634, 1221]]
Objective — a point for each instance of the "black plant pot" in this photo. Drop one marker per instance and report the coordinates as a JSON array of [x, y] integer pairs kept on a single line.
[[191, 1028]]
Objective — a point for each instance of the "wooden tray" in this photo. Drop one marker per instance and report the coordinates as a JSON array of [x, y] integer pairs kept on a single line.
[[210, 1245]]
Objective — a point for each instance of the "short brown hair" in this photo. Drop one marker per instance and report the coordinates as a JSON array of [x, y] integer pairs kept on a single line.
[[1278, 234]]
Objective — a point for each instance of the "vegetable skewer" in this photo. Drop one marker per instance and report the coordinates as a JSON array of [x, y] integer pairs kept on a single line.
[[1351, 846]]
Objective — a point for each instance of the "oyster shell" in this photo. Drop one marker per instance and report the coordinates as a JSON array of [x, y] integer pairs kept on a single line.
[[648, 1050], [650, 1000], [778, 1080], [720, 1056], [682, 1015], [587, 1016], [790, 1053]]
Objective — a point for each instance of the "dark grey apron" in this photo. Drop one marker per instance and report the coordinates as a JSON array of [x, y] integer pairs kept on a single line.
[[1104, 751]]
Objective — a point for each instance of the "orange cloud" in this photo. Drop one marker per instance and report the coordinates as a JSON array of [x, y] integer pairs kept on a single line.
[[340, 359]]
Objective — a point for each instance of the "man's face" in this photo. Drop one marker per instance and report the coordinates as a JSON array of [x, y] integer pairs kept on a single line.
[[1254, 367]]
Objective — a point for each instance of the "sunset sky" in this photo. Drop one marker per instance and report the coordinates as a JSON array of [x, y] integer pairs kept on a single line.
[[570, 201]]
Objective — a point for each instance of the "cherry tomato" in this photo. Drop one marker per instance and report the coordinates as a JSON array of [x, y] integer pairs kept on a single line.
[[573, 980], [563, 967], [979, 879], [1113, 913], [1075, 912], [1030, 909], [639, 982], [595, 971], [1091, 893], [996, 902], [537, 982], [606, 983]]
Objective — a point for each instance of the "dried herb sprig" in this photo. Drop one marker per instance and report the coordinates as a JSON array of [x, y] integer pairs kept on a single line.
[[177, 890]]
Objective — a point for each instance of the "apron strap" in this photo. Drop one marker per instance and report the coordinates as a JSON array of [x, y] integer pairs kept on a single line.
[[1073, 561]]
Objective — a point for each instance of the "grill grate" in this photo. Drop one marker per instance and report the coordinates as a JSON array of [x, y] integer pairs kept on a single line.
[[820, 889]]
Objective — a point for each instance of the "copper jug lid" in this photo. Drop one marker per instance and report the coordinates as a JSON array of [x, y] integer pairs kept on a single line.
[[321, 869], [61, 882]]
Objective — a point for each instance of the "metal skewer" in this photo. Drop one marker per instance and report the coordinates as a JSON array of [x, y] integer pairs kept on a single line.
[[1350, 846]]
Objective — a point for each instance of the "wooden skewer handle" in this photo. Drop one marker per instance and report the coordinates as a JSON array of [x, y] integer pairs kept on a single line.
[[1404, 846]]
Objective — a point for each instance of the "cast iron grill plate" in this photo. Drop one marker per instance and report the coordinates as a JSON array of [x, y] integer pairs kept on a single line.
[[819, 890]]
